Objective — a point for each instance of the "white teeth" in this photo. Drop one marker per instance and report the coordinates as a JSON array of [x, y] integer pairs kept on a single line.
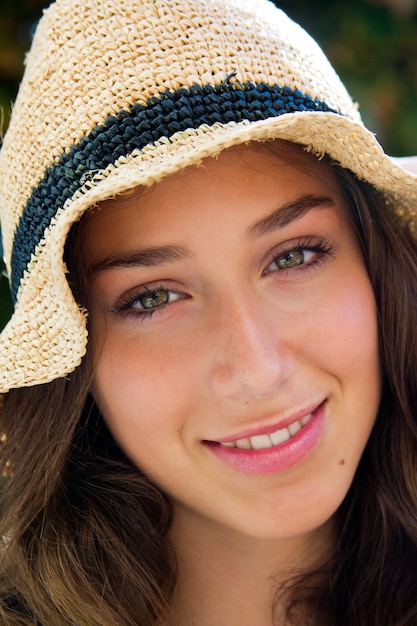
[[243, 444], [294, 428], [280, 436], [260, 442], [305, 420]]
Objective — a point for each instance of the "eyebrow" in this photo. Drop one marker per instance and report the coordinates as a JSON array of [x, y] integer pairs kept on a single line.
[[287, 214], [152, 257], [149, 257]]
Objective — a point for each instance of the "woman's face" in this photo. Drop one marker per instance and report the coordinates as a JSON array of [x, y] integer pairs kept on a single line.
[[235, 328]]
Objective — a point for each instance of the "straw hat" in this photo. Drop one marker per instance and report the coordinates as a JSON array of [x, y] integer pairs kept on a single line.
[[121, 93]]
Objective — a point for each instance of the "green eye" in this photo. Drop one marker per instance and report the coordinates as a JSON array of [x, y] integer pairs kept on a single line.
[[290, 259], [148, 300], [154, 299]]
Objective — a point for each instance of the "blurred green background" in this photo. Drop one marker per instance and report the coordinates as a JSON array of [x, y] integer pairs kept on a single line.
[[371, 43]]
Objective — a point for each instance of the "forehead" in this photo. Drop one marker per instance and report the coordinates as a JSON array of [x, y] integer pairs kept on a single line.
[[240, 181]]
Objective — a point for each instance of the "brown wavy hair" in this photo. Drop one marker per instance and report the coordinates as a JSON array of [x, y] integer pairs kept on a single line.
[[85, 532], [371, 577]]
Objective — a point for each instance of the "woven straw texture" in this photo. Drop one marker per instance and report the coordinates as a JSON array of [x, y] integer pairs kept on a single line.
[[117, 94]]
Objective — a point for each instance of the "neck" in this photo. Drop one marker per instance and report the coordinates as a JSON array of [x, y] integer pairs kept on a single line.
[[230, 579]]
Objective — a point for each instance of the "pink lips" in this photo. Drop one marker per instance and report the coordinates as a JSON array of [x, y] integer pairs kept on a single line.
[[277, 458]]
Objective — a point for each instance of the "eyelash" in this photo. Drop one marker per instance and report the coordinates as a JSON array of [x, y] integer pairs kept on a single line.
[[321, 248], [126, 305]]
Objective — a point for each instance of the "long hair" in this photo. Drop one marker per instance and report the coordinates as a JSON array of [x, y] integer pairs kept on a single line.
[[371, 577], [85, 533]]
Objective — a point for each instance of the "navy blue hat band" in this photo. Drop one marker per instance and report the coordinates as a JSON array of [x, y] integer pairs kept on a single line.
[[136, 128]]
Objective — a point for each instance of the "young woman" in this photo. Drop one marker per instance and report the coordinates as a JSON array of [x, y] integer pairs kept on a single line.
[[189, 186]]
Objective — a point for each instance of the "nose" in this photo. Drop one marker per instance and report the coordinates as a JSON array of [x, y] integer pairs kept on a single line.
[[250, 356]]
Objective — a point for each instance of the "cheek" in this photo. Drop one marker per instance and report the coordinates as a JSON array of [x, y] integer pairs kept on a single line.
[[142, 389], [342, 328]]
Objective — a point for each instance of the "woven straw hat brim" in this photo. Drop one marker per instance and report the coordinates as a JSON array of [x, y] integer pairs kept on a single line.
[[46, 337]]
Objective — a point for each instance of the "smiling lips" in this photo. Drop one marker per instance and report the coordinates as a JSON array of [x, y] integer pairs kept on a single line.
[[268, 453], [260, 442]]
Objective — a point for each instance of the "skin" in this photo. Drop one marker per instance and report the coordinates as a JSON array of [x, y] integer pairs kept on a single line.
[[240, 347]]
